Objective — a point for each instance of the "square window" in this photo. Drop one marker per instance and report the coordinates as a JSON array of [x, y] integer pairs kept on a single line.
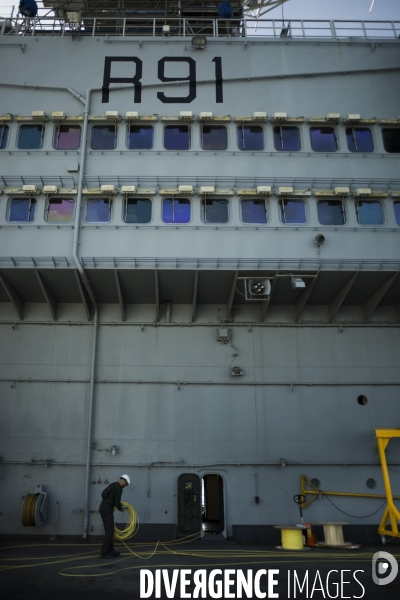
[[30, 137], [214, 137], [250, 137], [396, 206], [287, 138], [176, 210], [103, 137], [359, 139], [4, 129], [391, 139], [67, 137], [331, 212], [254, 211], [323, 139], [292, 211], [215, 210], [22, 210], [98, 210], [140, 137], [177, 137], [137, 210], [369, 212], [60, 210]]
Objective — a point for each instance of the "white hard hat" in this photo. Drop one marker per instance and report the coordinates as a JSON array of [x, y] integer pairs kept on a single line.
[[127, 478]]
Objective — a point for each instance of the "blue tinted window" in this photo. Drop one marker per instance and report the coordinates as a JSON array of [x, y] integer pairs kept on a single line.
[[22, 209], [359, 139], [215, 210], [330, 212], [396, 206], [140, 137], [214, 137], [369, 212], [3, 136], [103, 137], [176, 210], [287, 138], [67, 137], [137, 210], [30, 137], [250, 137], [254, 211], [177, 137], [323, 139], [391, 139], [293, 211], [98, 210]]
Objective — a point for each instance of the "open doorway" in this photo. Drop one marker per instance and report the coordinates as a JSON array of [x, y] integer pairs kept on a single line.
[[212, 503]]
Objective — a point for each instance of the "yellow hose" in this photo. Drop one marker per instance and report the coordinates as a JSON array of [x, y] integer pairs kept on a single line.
[[28, 510], [292, 539], [131, 526]]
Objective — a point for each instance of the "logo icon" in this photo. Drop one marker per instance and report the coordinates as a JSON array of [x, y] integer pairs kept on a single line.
[[384, 568]]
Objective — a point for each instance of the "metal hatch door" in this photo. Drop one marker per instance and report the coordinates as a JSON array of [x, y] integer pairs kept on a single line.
[[189, 503]]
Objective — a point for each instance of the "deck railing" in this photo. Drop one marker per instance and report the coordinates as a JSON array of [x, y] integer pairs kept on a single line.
[[245, 27]]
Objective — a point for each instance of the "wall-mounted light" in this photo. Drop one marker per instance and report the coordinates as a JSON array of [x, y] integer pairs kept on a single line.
[[199, 42], [319, 239], [114, 450], [298, 282]]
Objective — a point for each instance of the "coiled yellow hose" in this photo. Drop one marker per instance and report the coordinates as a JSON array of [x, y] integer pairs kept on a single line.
[[292, 539], [28, 510], [131, 526]]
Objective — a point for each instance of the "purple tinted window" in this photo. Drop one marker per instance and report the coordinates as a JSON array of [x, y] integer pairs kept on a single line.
[[250, 137], [98, 210], [177, 137], [214, 137], [67, 137], [254, 211], [103, 137], [330, 212], [22, 210], [140, 137], [359, 139], [287, 138], [60, 210], [293, 211], [391, 139], [176, 210], [323, 139], [30, 137], [215, 210], [396, 206], [3, 136], [369, 212]]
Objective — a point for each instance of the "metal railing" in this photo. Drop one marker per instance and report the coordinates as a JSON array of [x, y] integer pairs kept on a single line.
[[216, 28]]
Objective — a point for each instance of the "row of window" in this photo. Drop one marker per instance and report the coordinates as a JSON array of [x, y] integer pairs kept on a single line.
[[212, 137], [213, 210]]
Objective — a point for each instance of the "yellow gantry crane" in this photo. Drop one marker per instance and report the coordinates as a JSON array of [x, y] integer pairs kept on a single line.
[[392, 514]]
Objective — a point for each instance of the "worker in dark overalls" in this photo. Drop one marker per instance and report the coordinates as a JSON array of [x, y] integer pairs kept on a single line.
[[113, 499]]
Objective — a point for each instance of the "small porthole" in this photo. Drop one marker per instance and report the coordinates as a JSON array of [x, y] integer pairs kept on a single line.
[[316, 482], [371, 483], [362, 400]]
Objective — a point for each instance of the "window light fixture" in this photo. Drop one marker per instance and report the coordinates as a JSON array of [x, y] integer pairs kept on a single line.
[[259, 116], [186, 114], [108, 189], [280, 116], [207, 189], [204, 116], [50, 189], [353, 117], [30, 189], [334, 117], [58, 115], [38, 114], [363, 192], [131, 115], [128, 189], [185, 189], [342, 191], [112, 114], [264, 189], [166, 30], [285, 190]]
